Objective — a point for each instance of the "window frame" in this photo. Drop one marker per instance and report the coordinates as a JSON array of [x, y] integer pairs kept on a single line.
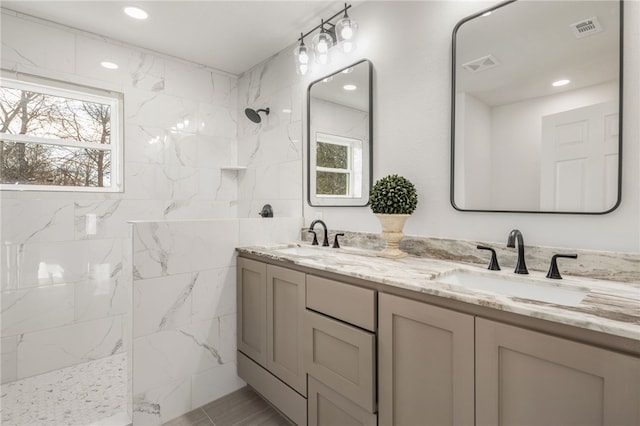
[[115, 101], [351, 144]]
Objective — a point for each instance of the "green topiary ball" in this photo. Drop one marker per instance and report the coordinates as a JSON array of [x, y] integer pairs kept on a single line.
[[393, 194]]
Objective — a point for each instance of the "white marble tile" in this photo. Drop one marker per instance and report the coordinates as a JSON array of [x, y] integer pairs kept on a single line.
[[228, 342], [216, 151], [100, 219], [182, 182], [218, 184], [162, 303], [102, 298], [49, 263], [217, 120], [90, 52], [214, 294], [22, 43], [144, 144], [163, 403], [145, 182], [154, 109], [189, 81], [171, 355], [209, 385], [68, 345], [36, 220], [176, 247], [198, 209], [181, 149], [37, 308]]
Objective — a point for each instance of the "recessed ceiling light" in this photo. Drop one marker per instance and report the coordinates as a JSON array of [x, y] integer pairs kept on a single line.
[[136, 12], [109, 65], [328, 79], [560, 83], [350, 87], [348, 70]]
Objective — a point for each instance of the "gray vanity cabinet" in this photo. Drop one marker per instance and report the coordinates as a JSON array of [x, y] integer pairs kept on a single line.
[[271, 306], [252, 309], [526, 377], [425, 364]]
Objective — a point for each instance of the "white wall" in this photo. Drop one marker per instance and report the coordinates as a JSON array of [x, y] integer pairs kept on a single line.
[[409, 44]]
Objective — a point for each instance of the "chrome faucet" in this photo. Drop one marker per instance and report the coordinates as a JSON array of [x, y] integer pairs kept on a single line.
[[521, 266], [325, 241]]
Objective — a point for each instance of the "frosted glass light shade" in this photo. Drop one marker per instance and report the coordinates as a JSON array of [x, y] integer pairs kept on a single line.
[[346, 31], [301, 55], [322, 42]]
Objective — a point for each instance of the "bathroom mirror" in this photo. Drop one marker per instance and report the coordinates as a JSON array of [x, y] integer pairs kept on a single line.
[[339, 137], [536, 108]]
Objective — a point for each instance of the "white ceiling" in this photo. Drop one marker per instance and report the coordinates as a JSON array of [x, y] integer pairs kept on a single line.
[[231, 36]]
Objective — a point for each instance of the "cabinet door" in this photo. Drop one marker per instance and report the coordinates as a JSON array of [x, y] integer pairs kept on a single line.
[[425, 370], [342, 357], [252, 309], [529, 378], [329, 408], [285, 319]]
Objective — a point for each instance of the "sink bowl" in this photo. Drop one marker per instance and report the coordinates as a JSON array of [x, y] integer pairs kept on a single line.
[[518, 287], [299, 251]]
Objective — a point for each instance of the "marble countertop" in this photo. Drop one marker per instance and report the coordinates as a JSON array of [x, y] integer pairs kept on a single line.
[[609, 307]]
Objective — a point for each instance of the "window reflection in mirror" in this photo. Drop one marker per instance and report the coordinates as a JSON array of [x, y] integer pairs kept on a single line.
[[339, 137], [537, 108]]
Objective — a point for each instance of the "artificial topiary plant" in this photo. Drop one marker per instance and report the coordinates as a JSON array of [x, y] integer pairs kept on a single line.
[[393, 194]]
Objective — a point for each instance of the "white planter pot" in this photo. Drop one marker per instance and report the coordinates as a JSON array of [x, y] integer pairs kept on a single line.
[[392, 225]]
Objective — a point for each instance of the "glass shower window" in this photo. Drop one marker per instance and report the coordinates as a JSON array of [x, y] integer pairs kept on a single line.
[[54, 136]]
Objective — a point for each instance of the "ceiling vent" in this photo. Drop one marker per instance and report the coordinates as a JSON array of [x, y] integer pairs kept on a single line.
[[586, 27], [481, 64]]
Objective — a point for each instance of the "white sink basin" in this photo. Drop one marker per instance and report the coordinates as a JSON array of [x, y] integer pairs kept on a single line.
[[300, 251], [518, 287]]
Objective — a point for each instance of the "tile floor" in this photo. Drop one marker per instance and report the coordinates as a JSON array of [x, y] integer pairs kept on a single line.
[[243, 407]]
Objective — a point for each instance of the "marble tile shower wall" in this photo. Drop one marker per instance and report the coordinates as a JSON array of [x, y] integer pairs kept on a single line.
[[184, 324], [66, 291], [271, 150]]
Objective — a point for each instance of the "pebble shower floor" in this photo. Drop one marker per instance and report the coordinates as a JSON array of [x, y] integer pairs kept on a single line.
[[94, 393]]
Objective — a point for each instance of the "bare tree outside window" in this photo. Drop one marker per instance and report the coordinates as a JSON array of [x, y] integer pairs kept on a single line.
[[48, 139]]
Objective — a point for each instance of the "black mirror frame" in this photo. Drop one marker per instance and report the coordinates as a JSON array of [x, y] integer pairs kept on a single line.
[[370, 133], [453, 109]]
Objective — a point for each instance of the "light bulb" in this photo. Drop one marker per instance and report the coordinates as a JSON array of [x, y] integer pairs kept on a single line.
[[323, 58], [347, 32], [303, 58], [323, 47], [347, 46], [303, 68]]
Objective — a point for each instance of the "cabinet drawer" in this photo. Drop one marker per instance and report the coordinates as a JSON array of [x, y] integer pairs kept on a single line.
[[342, 357], [327, 407], [349, 303]]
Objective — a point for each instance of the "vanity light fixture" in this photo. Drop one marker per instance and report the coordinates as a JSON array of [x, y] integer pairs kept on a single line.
[[109, 65], [560, 83], [301, 54], [350, 87], [343, 33], [136, 13]]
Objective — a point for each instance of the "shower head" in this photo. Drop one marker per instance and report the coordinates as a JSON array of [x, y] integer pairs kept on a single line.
[[254, 115]]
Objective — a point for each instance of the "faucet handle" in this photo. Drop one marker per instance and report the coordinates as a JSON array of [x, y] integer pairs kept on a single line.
[[554, 273], [493, 263], [315, 237], [336, 244]]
